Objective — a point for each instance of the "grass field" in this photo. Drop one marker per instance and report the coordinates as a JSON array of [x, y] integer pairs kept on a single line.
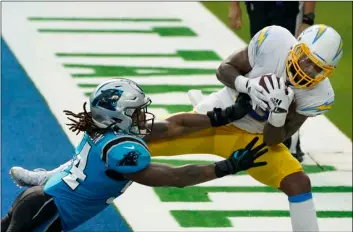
[[339, 16]]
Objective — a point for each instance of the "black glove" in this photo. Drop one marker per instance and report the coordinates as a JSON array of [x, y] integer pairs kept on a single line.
[[238, 110], [241, 160]]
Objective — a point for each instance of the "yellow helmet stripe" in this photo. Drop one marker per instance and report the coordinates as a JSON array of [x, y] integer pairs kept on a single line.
[[339, 50], [320, 32], [261, 38]]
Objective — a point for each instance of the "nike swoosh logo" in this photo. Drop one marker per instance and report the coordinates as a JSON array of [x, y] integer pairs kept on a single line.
[[132, 147]]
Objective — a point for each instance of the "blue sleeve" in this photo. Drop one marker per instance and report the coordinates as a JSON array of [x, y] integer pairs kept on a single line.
[[128, 156]]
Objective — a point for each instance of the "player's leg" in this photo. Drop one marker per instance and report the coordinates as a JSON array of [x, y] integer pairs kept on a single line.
[[5, 221], [27, 178], [285, 14], [33, 209], [257, 16], [284, 172], [299, 18]]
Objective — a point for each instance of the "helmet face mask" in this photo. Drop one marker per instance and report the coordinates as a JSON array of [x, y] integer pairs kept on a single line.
[[142, 120], [120, 104], [304, 69], [314, 57]]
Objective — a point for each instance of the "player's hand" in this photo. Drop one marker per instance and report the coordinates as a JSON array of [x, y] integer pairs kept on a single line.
[[277, 98], [278, 101], [241, 107], [242, 159], [257, 94], [234, 16]]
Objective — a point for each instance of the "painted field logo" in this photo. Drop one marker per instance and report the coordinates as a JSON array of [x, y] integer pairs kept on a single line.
[[214, 217], [84, 67]]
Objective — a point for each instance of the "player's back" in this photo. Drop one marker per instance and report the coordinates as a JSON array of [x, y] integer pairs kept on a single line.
[[95, 179]]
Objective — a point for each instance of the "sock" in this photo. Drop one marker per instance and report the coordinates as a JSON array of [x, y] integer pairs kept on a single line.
[[303, 213], [58, 169]]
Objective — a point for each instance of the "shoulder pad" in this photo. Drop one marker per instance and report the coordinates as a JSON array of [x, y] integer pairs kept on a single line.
[[315, 110], [126, 154], [315, 101], [267, 40]]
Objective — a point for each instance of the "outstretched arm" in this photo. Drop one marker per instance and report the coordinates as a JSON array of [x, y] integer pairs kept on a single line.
[[184, 123], [177, 125], [162, 175], [236, 65]]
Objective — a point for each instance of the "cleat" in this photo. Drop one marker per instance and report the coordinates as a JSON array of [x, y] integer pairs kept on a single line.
[[25, 178]]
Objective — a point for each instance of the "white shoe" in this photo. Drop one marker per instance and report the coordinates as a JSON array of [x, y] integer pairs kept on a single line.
[[25, 178]]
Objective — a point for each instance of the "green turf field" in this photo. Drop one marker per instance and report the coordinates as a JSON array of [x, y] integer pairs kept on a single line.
[[339, 16]]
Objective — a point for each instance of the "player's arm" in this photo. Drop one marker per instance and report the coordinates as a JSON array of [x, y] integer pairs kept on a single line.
[[274, 135], [231, 71], [283, 120], [158, 175], [177, 125], [236, 65], [184, 123], [162, 175]]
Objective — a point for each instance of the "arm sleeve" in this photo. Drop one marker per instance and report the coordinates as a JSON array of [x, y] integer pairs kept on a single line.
[[127, 156]]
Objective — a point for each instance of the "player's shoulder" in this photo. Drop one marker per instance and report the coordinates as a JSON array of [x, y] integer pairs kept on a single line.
[[272, 37], [270, 40], [315, 101], [125, 153]]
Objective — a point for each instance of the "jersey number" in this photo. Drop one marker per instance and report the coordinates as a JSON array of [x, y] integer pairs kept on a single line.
[[76, 171]]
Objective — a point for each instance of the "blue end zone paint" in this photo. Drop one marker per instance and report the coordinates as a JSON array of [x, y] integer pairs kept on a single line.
[[30, 137]]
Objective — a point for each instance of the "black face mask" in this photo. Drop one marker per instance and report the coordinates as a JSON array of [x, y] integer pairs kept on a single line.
[[147, 120]]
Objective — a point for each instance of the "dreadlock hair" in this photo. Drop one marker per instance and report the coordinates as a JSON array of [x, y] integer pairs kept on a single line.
[[85, 122]]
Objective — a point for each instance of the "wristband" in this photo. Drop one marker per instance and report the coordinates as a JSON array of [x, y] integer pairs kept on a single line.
[[222, 168], [277, 119], [217, 117], [241, 83]]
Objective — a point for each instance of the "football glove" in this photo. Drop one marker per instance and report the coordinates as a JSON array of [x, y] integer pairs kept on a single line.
[[238, 110], [252, 87], [241, 160], [278, 101]]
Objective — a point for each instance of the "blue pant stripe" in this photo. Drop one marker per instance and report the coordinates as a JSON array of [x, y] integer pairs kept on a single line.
[[300, 198]]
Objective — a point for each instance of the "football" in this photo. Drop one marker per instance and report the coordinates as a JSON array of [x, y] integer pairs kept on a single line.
[[263, 84]]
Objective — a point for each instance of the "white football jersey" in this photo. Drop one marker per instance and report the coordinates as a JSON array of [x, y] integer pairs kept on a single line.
[[268, 51]]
